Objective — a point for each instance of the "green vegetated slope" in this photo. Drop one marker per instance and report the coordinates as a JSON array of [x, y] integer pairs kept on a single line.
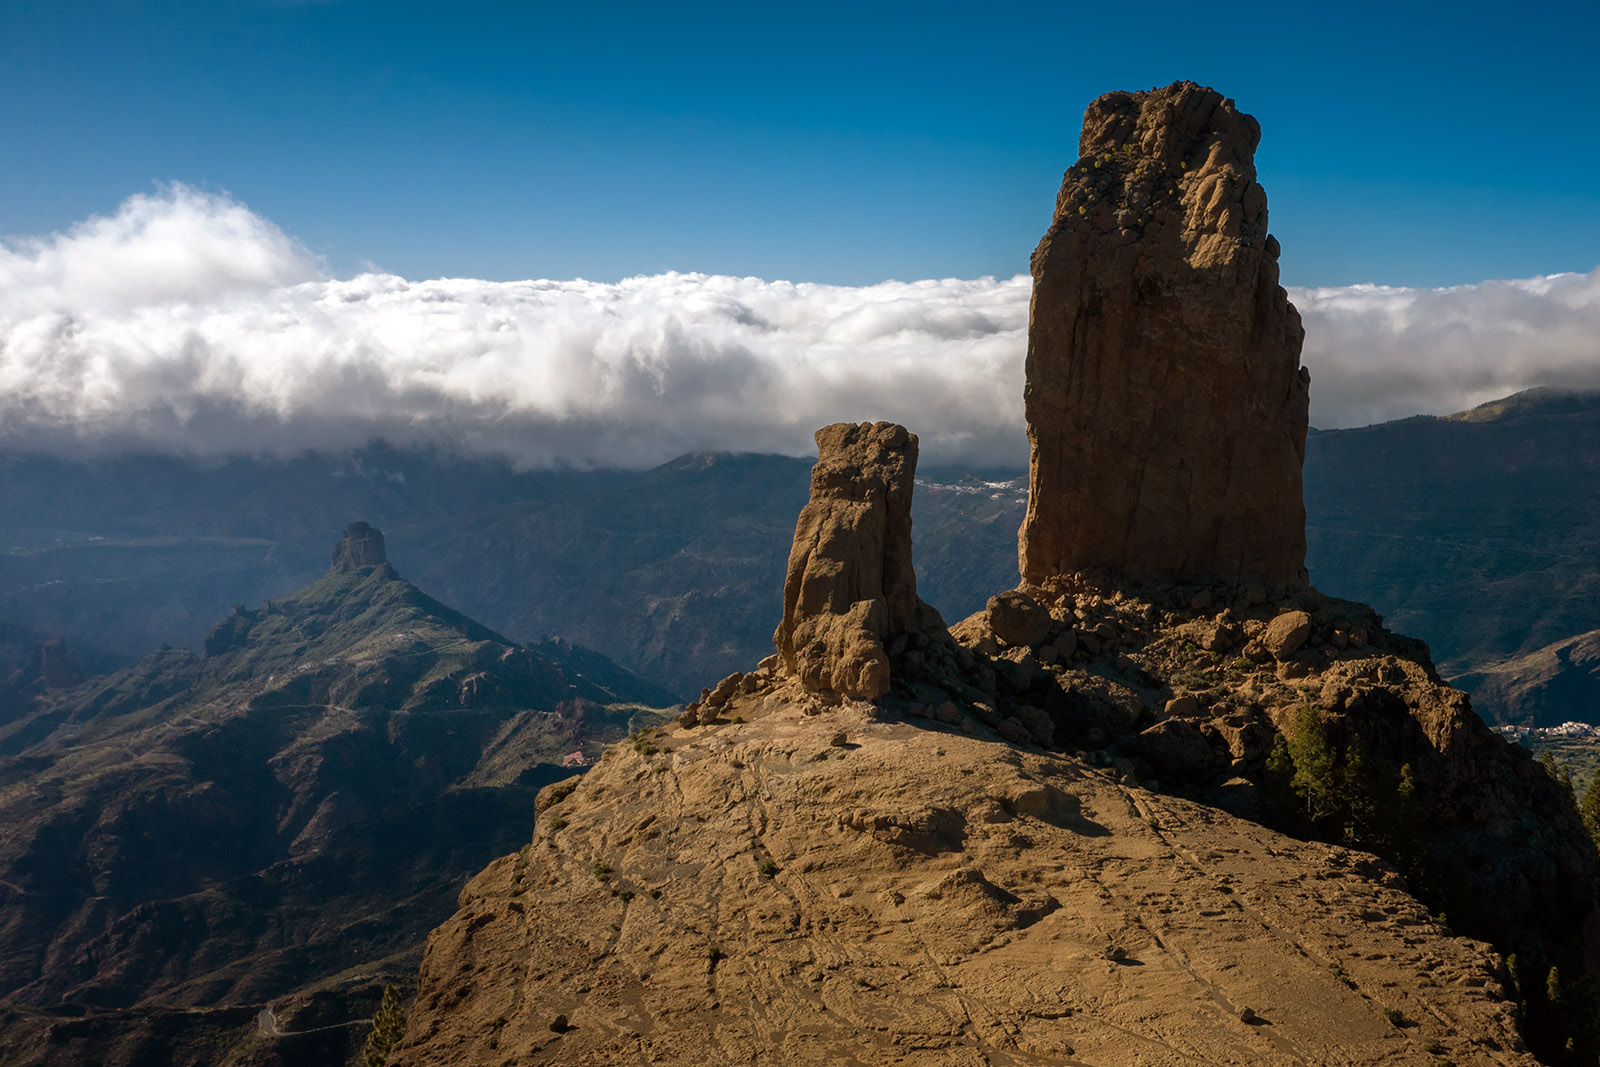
[[297, 807]]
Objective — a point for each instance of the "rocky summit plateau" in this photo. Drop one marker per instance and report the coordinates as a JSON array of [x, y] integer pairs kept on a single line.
[[1165, 802]]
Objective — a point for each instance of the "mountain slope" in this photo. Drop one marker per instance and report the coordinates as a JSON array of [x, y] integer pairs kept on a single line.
[[1547, 687], [301, 801], [1475, 532]]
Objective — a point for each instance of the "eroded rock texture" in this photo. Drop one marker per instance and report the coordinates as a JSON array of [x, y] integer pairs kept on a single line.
[[1165, 400], [844, 889], [850, 587], [361, 546]]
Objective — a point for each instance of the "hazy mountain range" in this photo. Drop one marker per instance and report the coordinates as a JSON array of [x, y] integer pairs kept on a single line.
[[289, 814], [1473, 532]]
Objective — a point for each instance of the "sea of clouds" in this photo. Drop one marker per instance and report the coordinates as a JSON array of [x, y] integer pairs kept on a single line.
[[185, 322]]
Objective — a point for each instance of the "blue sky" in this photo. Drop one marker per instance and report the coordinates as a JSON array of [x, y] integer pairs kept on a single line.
[[1405, 144]]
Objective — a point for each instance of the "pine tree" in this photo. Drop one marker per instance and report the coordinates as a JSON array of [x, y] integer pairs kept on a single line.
[[1357, 801], [387, 1027], [1314, 764], [1589, 809], [1280, 780]]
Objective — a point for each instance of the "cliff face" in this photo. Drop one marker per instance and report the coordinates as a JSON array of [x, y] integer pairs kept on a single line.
[[1165, 400]]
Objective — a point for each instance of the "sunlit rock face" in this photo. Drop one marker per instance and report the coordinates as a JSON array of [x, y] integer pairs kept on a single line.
[[1165, 399], [850, 587]]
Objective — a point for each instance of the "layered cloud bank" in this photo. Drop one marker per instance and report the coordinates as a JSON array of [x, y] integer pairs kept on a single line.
[[185, 322]]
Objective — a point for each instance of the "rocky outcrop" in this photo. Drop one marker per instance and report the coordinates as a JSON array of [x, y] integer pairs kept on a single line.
[[359, 548], [58, 665], [846, 888], [1046, 839], [850, 589], [1165, 400]]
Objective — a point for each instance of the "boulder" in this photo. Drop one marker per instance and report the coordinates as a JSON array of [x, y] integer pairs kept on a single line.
[[1182, 707], [1176, 748], [1016, 619], [1286, 634], [1165, 400]]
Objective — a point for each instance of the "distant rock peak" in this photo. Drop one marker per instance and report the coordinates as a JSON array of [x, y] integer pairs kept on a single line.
[[360, 547]]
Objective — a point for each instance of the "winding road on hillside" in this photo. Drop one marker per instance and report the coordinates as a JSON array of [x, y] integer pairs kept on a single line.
[[268, 1021]]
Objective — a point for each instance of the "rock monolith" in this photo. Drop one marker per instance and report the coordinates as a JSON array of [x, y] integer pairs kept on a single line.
[[850, 588], [361, 547], [1166, 404]]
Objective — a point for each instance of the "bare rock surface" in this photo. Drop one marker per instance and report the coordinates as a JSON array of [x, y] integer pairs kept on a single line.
[[850, 588], [1165, 400], [765, 892], [1015, 618], [1285, 634], [361, 547]]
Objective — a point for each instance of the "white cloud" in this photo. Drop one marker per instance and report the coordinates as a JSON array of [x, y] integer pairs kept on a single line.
[[1379, 353], [186, 322]]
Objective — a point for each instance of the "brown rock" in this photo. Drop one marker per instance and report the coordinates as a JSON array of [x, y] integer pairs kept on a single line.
[[724, 690], [1286, 634], [1015, 618], [1182, 707], [850, 588], [1176, 748], [1165, 400], [1061, 648], [920, 874], [359, 548]]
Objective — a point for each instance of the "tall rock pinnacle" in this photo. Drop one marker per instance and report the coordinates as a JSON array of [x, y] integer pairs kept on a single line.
[[1165, 399], [850, 587], [360, 547]]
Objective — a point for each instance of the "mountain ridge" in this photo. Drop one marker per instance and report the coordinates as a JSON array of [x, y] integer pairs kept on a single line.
[[293, 809], [1471, 535]]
